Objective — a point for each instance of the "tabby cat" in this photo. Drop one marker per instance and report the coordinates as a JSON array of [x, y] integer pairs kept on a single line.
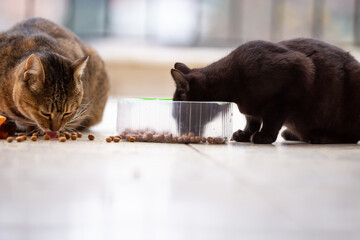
[[311, 87], [49, 79]]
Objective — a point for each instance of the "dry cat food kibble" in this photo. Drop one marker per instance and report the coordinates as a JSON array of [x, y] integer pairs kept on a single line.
[[152, 136], [46, 137], [117, 139], [62, 139], [67, 135], [73, 136], [91, 137], [79, 134], [20, 139], [33, 138], [10, 139], [108, 139]]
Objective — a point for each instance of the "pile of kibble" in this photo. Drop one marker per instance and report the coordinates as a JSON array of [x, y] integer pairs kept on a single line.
[[62, 137], [152, 136]]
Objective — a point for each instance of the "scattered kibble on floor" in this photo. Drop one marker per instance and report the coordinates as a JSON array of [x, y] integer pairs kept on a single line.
[[135, 136]]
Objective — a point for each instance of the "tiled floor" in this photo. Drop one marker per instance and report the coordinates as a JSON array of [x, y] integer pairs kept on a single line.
[[98, 190]]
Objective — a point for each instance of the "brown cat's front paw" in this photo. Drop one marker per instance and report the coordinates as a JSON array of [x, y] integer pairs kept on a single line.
[[261, 138], [241, 136]]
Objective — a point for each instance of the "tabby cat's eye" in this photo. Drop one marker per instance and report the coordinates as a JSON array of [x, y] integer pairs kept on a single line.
[[67, 114], [46, 115]]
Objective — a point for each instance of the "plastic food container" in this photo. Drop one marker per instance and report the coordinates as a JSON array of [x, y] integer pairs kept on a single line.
[[164, 120]]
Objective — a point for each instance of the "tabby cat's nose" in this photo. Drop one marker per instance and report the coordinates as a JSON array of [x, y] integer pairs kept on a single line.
[[55, 126]]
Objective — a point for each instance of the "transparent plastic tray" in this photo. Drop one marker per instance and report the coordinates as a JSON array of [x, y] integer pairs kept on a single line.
[[164, 120]]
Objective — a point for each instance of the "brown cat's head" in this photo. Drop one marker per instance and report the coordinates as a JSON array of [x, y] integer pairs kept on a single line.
[[48, 90], [190, 84]]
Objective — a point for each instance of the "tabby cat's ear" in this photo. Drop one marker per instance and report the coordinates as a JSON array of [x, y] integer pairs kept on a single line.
[[182, 67], [180, 80], [79, 66], [34, 73]]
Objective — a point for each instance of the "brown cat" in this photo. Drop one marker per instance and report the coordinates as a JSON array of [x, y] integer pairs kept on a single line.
[[309, 86], [50, 79]]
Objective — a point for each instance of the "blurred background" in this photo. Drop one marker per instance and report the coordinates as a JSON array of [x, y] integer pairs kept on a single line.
[[140, 40]]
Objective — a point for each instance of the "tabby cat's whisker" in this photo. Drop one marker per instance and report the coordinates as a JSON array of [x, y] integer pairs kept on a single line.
[[37, 129]]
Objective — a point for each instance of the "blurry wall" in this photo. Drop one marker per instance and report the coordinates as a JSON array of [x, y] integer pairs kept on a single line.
[[201, 30], [194, 22]]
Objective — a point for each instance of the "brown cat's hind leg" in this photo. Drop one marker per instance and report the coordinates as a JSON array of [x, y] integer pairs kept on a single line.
[[289, 136], [252, 125]]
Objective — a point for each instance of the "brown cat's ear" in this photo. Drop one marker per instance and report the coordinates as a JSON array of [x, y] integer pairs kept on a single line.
[[34, 73], [182, 67], [79, 67], [180, 80]]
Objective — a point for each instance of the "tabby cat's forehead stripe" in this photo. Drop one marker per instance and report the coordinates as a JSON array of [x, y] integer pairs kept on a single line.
[[58, 77]]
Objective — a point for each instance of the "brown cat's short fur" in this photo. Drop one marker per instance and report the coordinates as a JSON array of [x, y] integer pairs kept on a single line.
[[309, 86], [49, 78]]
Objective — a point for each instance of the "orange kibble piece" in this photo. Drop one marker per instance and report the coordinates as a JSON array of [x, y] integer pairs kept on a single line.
[[2, 119], [67, 135], [19, 139]]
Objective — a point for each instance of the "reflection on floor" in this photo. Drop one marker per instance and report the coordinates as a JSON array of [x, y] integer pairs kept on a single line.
[[98, 190]]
